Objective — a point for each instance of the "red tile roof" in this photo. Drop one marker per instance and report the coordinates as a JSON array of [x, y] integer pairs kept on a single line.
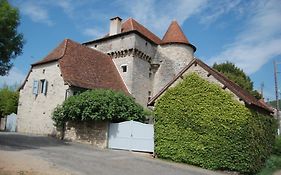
[[233, 87], [85, 67], [175, 34], [132, 25]]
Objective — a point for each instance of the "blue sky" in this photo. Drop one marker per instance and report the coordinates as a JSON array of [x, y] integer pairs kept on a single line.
[[247, 33]]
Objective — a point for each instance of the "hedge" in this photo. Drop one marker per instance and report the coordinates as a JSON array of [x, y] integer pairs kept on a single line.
[[98, 105], [199, 123]]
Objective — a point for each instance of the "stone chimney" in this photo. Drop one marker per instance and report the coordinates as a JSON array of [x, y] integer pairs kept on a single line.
[[115, 26]]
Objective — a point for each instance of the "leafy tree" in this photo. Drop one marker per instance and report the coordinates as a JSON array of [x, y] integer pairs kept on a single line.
[[8, 101], [98, 105], [238, 76], [11, 42]]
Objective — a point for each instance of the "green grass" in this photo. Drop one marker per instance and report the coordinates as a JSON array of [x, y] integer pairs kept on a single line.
[[272, 165]]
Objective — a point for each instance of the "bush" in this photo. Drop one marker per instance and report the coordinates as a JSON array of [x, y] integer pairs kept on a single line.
[[98, 105], [8, 101], [272, 165], [197, 122], [277, 146]]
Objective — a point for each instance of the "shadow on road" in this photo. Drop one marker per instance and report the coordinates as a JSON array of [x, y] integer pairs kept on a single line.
[[17, 142]]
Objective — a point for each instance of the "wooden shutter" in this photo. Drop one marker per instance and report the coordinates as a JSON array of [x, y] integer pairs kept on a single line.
[[35, 87], [45, 84]]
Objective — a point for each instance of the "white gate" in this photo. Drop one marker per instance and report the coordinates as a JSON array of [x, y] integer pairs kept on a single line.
[[11, 123], [131, 135]]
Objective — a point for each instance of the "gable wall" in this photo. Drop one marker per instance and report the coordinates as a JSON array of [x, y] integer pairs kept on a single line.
[[34, 112], [203, 74]]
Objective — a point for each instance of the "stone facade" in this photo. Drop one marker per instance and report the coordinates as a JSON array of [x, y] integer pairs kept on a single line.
[[149, 66], [94, 133], [34, 111], [205, 75]]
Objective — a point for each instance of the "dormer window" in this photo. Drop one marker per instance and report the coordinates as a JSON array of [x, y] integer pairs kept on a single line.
[[124, 68]]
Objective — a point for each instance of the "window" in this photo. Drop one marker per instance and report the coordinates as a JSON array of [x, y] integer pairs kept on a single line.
[[35, 87], [43, 86], [124, 68]]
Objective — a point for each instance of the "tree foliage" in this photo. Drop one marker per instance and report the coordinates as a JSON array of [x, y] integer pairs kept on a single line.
[[8, 101], [11, 42], [199, 123], [238, 76], [98, 105]]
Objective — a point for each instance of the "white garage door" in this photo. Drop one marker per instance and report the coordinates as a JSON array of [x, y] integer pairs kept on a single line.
[[131, 135]]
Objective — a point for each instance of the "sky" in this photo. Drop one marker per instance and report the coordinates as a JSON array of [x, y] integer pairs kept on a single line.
[[245, 32]]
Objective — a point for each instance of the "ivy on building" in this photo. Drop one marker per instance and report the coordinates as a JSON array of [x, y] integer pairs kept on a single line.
[[199, 123]]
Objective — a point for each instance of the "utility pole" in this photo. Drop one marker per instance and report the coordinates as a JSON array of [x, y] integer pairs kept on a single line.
[[276, 95]]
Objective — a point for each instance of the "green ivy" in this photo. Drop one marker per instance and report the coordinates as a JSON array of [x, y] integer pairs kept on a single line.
[[98, 105], [199, 123]]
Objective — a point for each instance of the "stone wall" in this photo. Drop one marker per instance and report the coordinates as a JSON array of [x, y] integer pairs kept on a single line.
[[172, 59], [34, 111], [205, 75], [94, 133]]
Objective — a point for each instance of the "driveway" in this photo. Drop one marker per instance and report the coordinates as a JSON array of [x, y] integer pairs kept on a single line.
[[75, 158]]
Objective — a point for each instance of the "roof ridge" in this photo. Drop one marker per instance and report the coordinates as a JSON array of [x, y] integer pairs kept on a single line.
[[233, 87], [65, 47]]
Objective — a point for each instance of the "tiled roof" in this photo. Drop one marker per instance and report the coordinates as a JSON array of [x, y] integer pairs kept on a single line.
[[131, 25], [233, 87], [175, 34], [54, 55], [85, 67]]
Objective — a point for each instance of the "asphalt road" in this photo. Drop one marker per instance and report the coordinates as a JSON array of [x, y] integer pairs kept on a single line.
[[85, 160]]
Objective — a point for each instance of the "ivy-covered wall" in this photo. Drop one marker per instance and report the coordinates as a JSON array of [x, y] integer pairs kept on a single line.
[[197, 122]]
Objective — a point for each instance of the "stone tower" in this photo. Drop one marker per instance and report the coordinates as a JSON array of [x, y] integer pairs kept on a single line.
[[173, 54]]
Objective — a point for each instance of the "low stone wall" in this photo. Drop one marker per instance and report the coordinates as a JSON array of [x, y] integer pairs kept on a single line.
[[95, 133]]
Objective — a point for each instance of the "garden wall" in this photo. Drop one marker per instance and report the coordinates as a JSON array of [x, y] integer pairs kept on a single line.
[[94, 133]]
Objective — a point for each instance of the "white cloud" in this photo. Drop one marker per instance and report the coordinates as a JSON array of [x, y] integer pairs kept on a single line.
[[157, 15], [259, 41], [92, 32], [15, 77], [36, 12], [215, 9]]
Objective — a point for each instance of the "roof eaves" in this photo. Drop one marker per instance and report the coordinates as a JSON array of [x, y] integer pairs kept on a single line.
[[153, 99], [188, 44], [118, 35]]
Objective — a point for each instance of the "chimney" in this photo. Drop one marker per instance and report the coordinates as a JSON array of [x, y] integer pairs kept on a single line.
[[115, 26]]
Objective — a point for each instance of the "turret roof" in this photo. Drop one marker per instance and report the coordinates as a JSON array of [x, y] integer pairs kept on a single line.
[[175, 34]]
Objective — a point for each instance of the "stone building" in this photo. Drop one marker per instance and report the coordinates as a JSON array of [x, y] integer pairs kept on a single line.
[[129, 58]]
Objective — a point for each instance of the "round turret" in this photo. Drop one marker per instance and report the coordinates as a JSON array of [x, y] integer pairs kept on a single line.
[[174, 53]]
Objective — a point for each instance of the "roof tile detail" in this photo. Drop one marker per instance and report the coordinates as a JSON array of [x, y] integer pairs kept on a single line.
[[131, 24], [174, 34]]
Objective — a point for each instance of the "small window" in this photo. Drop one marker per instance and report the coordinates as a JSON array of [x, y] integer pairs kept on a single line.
[[43, 86], [124, 68], [43, 71], [96, 45]]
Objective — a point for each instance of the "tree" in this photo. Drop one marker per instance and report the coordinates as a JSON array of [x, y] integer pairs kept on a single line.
[[98, 105], [238, 76], [11, 42], [8, 101]]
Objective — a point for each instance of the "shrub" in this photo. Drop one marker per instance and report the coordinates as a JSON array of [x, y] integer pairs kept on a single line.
[[199, 123], [8, 101], [277, 146], [98, 105]]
